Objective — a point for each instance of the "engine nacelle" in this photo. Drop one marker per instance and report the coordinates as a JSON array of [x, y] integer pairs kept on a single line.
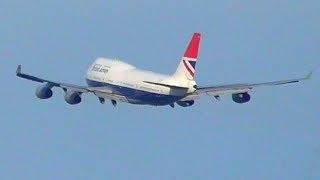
[[44, 92], [241, 97], [72, 97], [185, 103]]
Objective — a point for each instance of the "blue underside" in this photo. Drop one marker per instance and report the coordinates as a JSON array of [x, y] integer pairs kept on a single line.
[[135, 96]]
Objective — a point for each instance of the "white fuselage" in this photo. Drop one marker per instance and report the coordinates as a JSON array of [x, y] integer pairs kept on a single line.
[[127, 83]]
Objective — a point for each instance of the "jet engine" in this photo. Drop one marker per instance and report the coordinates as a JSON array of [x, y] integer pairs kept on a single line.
[[72, 97], [241, 97], [44, 92], [185, 103]]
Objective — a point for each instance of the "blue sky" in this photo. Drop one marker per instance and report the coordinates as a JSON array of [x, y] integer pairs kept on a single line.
[[275, 136]]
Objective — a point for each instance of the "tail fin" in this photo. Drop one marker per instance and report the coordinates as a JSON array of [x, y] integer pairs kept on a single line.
[[187, 67]]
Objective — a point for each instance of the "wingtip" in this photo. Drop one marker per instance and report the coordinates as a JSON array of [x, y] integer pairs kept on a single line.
[[18, 71], [309, 75]]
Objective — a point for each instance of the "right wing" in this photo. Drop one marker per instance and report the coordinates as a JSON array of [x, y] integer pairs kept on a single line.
[[217, 91]]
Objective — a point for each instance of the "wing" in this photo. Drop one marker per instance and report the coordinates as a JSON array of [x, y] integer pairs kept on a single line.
[[217, 91], [64, 86]]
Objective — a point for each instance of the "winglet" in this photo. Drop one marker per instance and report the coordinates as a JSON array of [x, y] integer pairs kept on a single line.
[[309, 75], [18, 71]]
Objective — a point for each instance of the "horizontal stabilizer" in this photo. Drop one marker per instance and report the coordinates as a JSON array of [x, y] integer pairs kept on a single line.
[[166, 85]]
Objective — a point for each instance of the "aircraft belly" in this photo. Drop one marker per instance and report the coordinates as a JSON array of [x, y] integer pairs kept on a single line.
[[134, 96]]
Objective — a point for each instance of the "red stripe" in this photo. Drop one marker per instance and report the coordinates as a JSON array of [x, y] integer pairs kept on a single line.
[[189, 70]]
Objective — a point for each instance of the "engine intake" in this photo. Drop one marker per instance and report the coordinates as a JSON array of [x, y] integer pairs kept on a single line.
[[72, 97], [185, 103], [44, 92], [241, 97]]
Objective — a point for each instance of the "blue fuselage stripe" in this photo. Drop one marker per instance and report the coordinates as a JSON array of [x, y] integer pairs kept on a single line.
[[135, 96]]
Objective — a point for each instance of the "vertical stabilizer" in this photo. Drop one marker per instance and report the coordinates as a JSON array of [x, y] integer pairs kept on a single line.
[[187, 67]]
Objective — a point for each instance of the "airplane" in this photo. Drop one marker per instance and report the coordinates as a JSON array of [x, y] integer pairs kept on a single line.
[[114, 80]]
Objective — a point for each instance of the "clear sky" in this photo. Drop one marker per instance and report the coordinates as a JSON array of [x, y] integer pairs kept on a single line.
[[274, 136]]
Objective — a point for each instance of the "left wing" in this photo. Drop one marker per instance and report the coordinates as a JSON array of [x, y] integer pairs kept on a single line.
[[67, 87], [217, 91], [64, 86]]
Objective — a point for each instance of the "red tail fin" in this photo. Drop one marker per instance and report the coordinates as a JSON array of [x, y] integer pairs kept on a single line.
[[187, 67], [193, 47]]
